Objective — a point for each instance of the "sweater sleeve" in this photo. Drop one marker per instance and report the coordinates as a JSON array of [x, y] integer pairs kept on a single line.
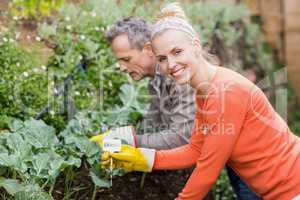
[[181, 157], [224, 114], [181, 119]]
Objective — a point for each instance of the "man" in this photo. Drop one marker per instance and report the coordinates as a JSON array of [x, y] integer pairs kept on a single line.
[[171, 110], [172, 107]]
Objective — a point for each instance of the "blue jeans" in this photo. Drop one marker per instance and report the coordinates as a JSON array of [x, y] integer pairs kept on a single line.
[[240, 188]]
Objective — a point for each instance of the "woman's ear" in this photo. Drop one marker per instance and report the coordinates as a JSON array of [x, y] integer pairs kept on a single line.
[[196, 46], [148, 49], [196, 42]]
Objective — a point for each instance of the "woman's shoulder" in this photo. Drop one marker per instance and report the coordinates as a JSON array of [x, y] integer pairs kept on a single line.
[[229, 81]]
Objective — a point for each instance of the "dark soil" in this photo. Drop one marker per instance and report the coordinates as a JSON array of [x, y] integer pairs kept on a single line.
[[161, 185]]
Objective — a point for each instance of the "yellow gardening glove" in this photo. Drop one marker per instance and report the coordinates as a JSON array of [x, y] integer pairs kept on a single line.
[[125, 133], [131, 159], [99, 138], [105, 161]]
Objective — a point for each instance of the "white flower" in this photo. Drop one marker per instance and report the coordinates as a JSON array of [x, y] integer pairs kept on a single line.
[[77, 93], [68, 19], [52, 112], [35, 70], [97, 28], [68, 27], [18, 64], [37, 38], [80, 57], [15, 18], [25, 74], [43, 67], [11, 40], [94, 14], [5, 39], [102, 28], [82, 37], [55, 91]]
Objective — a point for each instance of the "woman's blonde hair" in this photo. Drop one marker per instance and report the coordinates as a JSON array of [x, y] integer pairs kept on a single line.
[[173, 17], [172, 10]]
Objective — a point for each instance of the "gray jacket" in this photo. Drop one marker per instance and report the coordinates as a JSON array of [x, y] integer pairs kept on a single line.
[[170, 118]]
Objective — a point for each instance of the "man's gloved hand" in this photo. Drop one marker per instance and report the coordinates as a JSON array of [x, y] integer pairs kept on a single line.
[[131, 159], [125, 133]]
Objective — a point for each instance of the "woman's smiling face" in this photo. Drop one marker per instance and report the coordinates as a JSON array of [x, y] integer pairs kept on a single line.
[[175, 53]]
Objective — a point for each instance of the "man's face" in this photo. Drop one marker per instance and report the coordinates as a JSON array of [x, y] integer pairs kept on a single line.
[[137, 63]]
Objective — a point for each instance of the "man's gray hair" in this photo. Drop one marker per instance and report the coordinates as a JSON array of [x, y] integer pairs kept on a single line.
[[137, 29]]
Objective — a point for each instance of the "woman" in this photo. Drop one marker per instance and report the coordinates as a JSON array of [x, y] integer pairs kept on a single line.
[[234, 124]]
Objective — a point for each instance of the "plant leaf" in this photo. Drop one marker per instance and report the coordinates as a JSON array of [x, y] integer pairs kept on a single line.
[[12, 186], [98, 181]]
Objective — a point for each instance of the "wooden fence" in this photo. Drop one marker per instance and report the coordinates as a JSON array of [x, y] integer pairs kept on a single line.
[[281, 25]]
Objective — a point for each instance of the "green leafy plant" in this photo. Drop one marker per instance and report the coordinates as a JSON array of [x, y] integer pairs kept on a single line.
[[32, 152], [222, 190], [228, 32], [22, 85], [34, 8]]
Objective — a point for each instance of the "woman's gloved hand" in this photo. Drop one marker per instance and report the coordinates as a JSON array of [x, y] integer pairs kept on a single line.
[[130, 159]]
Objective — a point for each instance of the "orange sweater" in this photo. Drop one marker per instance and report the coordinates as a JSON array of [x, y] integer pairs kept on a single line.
[[235, 124]]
